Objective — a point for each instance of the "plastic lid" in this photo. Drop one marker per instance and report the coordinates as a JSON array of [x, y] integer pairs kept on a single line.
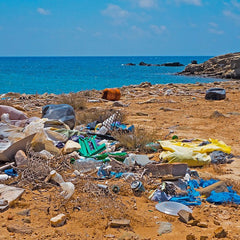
[[172, 208]]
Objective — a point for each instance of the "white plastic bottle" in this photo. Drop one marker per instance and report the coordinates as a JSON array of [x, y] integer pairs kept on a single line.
[[67, 187], [84, 165]]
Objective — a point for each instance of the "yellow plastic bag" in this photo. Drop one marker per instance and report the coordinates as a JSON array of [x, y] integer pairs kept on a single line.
[[191, 153]]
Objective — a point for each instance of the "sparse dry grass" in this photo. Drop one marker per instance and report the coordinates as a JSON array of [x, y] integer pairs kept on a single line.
[[97, 114], [137, 140], [77, 100], [7, 102], [219, 169]]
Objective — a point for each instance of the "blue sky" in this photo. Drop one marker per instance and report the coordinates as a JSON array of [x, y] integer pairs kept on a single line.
[[119, 27]]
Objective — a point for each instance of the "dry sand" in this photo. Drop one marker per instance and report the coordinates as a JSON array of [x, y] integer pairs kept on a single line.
[[161, 108]]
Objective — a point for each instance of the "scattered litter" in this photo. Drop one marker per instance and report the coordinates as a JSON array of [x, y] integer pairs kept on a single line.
[[172, 208]]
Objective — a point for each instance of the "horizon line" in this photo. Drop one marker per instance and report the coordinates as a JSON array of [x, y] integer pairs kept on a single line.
[[115, 56]]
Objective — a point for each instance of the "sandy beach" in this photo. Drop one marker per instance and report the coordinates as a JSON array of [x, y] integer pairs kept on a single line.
[[166, 110]]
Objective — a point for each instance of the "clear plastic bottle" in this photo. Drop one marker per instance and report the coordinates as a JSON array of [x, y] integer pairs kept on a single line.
[[84, 165], [67, 187]]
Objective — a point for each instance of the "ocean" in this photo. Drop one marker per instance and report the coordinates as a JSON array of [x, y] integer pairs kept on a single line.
[[58, 75]]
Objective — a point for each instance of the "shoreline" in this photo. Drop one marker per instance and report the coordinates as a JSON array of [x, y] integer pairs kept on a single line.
[[222, 80]]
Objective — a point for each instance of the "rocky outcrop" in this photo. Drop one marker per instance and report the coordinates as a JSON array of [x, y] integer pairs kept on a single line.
[[224, 66], [170, 64]]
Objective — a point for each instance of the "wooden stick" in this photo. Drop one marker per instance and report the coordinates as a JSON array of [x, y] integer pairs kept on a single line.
[[7, 166]]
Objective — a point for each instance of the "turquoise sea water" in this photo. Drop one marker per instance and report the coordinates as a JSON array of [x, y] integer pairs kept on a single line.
[[72, 74]]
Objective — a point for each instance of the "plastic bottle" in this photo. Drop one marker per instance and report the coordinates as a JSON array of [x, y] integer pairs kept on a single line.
[[84, 165], [4, 177], [67, 187]]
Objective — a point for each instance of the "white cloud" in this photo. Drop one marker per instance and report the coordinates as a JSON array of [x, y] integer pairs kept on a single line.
[[216, 31], [115, 12], [43, 11], [138, 30], [235, 3], [213, 24], [191, 2], [232, 15], [158, 29], [147, 3]]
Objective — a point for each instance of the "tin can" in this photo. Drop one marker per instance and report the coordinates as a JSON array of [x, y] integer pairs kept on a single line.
[[137, 186]]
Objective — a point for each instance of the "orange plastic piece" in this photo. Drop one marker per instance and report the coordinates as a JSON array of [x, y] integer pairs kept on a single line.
[[111, 94]]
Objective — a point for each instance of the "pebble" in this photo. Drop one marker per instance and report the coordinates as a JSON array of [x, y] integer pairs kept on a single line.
[[193, 222], [27, 220], [165, 227], [203, 237], [202, 225], [216, 222], [220, 233], [185, 216], [25, 212], [19, 229], [190, 237], [59, 220], [119, 223], [21, 158]]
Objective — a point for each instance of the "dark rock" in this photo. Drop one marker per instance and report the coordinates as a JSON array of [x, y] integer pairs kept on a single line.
[[130, 64], [172, 64], [215, 94], [145, 64], [194, 61]]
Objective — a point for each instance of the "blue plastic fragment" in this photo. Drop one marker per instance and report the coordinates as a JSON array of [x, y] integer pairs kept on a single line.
[[223, 197], [11, 172]]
